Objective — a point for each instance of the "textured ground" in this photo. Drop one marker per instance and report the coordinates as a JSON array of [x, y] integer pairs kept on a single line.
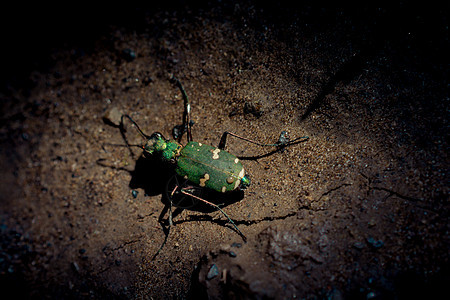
[[360, 210]]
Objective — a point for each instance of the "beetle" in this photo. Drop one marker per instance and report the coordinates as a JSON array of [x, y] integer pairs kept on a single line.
[[198, 166]]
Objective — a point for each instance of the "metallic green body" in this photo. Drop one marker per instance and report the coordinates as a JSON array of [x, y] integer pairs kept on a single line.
[[168, 150], [210, 167]]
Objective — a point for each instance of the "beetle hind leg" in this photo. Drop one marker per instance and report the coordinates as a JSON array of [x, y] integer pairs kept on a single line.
[[219, 209], [174, 192]]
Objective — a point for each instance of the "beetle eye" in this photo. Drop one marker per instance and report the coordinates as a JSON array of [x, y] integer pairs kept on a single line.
[[156, 135]]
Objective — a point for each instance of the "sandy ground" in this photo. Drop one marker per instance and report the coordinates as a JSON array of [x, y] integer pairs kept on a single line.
[[358, 211]]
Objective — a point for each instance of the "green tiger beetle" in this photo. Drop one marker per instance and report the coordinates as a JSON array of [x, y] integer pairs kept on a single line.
[[199, 166]]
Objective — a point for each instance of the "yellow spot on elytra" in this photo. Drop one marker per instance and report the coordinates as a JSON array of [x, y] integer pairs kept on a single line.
[[204, 180], [230, 180], [236, 160], [242, 173], [236, 184], [216, 153], [224, 189]]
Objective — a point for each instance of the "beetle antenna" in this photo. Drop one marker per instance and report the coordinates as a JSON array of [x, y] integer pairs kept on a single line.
[[187, 123], [146, 137]]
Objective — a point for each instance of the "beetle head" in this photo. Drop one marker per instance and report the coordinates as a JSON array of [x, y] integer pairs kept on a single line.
[[245, 182], [157, 145]]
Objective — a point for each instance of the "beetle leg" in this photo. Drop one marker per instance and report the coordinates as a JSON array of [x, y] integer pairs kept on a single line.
[[165, 229], [283, 140], [218, 208], [173, 191]]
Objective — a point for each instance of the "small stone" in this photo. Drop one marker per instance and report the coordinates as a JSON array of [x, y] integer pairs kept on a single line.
[[374, 243], [236, 245], [134, 193], [112, 116], [128, 54], [358, 245], [213, 272]]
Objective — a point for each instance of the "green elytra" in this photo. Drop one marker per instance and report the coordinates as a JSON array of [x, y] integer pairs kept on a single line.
[[200, 165]]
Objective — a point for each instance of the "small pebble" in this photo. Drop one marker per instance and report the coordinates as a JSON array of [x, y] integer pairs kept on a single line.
[[113, 116], [128, 54], [75, 266], [213, 272], [134, 193], [358, 245], [374, 243]]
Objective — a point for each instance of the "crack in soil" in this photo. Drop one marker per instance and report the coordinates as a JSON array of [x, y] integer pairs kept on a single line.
[[332, 190], [121, 246], [391, 192]]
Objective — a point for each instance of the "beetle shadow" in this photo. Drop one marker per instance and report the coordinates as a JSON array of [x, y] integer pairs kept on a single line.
[[149, 174]]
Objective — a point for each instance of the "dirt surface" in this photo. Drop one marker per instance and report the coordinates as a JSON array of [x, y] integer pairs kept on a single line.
[[360, 210]]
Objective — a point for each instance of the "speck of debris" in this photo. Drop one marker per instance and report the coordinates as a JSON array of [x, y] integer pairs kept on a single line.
[[75, 267]]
